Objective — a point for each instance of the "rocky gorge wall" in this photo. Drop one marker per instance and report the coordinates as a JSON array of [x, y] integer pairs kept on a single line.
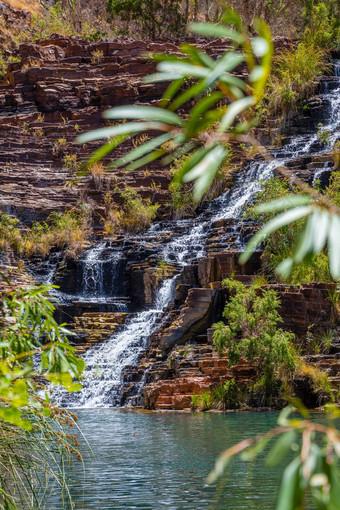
[[59, 88]]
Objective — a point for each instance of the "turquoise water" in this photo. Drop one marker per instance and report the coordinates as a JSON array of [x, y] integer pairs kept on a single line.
[[160, 461]]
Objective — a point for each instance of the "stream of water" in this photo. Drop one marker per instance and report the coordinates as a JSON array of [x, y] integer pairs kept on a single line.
[[106, 362]]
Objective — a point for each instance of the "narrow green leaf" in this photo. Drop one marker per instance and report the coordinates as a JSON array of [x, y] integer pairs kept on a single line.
[[171, 91], [274, 224], [281, 204], [228, 62], [187, 70], [159, 77], [204, 172], [143, 113], [334, 246], [140, 151], [322, 230], [103, 151], [251, 453], [128, 128], [193, 125], [213, 30], [146, 159], [233, 110], [305, 241], [281, 448], [291, 492], [198, 57]]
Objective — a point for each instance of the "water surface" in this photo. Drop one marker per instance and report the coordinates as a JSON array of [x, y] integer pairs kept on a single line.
[[160, 461]]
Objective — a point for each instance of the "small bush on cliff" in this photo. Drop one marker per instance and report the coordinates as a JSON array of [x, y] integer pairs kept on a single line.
[[68, 230], [295, 72], [135, 215], [252, 333]]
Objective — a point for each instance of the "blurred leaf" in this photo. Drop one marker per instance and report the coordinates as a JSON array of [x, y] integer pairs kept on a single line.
[[143, 113], [251, 453], [291, 494], [204, 172], [334, 246], [219, 31], [281, 448], [193, 125], [274, 224], [128, 128], [142, 150], [233, 110], [281, 204]]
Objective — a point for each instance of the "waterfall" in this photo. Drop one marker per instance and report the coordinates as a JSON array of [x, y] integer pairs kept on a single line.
[[107, 362]]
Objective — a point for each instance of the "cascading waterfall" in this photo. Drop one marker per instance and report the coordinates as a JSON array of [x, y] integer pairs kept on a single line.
[[106, 363]]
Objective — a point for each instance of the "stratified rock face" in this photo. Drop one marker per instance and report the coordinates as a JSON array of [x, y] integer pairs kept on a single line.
[[58, 90]]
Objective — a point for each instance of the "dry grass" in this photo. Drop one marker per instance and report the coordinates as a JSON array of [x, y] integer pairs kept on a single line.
[[26, 5]]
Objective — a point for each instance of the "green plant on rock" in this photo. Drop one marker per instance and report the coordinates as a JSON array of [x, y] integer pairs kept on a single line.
[[68, 230], [251, 332], [54, 21], [136, 214], [59, 147], [322, 23], [295, 72]]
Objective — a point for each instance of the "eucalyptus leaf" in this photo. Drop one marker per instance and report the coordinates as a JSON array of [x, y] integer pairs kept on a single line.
[[143, 113], [281, 204], [128, 128], [274, 224], [334, 246], [233, 110]]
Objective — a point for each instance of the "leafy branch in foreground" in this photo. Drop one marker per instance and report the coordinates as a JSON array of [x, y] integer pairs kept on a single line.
[[28, 333], [220, 98], [313, 471]]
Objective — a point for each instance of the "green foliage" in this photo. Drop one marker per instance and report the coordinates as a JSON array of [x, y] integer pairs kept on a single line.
[[228, 395], [312, 227], [157, 18], [28, 329], [295, 72], [314, 468], [135, 215], [68, 230], [252, 333], [33, 434], [322, 23], [4, 61], [53, 21]]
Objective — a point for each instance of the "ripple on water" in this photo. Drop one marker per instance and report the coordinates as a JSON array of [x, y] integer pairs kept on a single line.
[[160, 460]]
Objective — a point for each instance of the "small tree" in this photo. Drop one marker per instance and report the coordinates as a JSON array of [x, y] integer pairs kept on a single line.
[[157, 18], [252, 333]]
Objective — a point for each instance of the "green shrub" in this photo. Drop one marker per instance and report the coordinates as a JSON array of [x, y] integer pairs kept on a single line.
[[68, 230], [294, 76], [53, 21], [323, 23], [135, 215], [252, 333]]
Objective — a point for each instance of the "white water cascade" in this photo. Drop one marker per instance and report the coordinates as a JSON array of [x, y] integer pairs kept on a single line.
[[106, 362]]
